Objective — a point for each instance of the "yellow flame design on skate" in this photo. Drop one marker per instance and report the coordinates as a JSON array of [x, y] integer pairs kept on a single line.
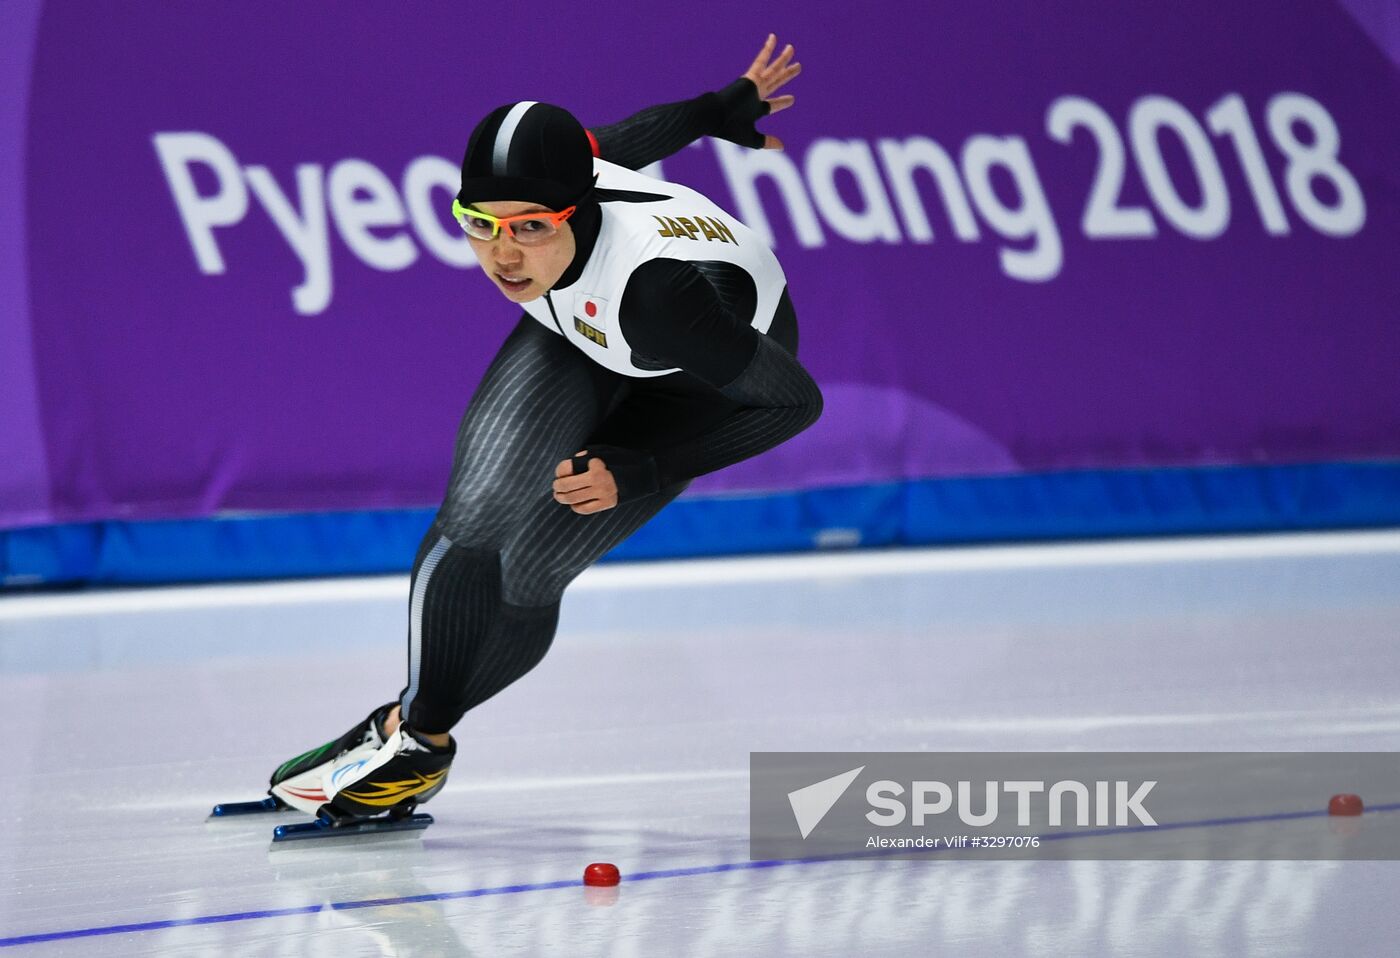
[[391, 793]]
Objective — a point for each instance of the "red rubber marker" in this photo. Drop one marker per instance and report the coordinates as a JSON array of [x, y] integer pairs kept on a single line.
[[601, 873], [1345, 805]]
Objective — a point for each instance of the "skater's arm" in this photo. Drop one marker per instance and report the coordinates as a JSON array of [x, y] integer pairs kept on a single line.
[[659, 131], [780, 400], [671, 313]]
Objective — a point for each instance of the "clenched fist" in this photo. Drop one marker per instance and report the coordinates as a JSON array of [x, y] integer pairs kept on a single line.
[[585, 492]]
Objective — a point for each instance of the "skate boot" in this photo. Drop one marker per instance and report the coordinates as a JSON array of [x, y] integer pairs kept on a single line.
[[401, 774], [298, 782]]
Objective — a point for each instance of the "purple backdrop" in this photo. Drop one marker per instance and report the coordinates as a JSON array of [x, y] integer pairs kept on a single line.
[[232, 283]]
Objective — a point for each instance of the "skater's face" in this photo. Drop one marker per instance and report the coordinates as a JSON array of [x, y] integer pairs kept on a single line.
[[523, 272]]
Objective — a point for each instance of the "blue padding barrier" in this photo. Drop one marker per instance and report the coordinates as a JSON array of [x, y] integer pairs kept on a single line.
[[1058, 505]]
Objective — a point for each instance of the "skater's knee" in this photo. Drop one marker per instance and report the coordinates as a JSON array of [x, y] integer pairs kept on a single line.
[[481, 513], [468, 522]]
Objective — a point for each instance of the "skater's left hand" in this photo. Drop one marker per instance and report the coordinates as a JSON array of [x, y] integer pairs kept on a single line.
[[770, 74], [587, 492]]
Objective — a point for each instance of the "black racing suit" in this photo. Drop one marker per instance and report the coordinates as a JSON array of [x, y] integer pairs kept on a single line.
[[490, 572]]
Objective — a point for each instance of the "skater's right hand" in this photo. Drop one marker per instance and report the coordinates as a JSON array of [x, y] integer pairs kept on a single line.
[[613, 474], [585, 492]]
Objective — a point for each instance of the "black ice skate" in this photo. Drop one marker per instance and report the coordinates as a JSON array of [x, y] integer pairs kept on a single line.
[[378, 791], [299, 782], [296, 783]]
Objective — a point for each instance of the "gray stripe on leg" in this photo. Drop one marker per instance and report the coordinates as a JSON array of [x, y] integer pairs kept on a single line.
[[415, 622]]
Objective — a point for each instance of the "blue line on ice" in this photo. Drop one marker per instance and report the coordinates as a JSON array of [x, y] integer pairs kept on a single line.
[[568, 883]]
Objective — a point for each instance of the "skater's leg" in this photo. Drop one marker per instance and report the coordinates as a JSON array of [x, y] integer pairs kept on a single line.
[[552, 546], [490, 573], [539, 400], [454, 668], [540, 395]]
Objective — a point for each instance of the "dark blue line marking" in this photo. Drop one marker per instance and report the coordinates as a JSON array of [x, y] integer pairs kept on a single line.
[[1207, 823], [639, 876]]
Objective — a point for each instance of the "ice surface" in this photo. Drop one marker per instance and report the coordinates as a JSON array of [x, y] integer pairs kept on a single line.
[[129, 715]]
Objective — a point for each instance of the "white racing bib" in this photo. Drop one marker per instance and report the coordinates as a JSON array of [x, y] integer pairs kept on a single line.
[[684, 225]]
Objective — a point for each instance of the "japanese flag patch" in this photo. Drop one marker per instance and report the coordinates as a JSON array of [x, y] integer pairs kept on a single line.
[[590, 318]]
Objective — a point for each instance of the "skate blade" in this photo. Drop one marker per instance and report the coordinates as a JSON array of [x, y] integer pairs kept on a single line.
[[321, 829], [229, 809]]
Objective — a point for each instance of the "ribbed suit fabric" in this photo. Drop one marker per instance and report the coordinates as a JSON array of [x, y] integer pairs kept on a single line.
[[658, 131], [491, 570], [493, 565], [773, 396]]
